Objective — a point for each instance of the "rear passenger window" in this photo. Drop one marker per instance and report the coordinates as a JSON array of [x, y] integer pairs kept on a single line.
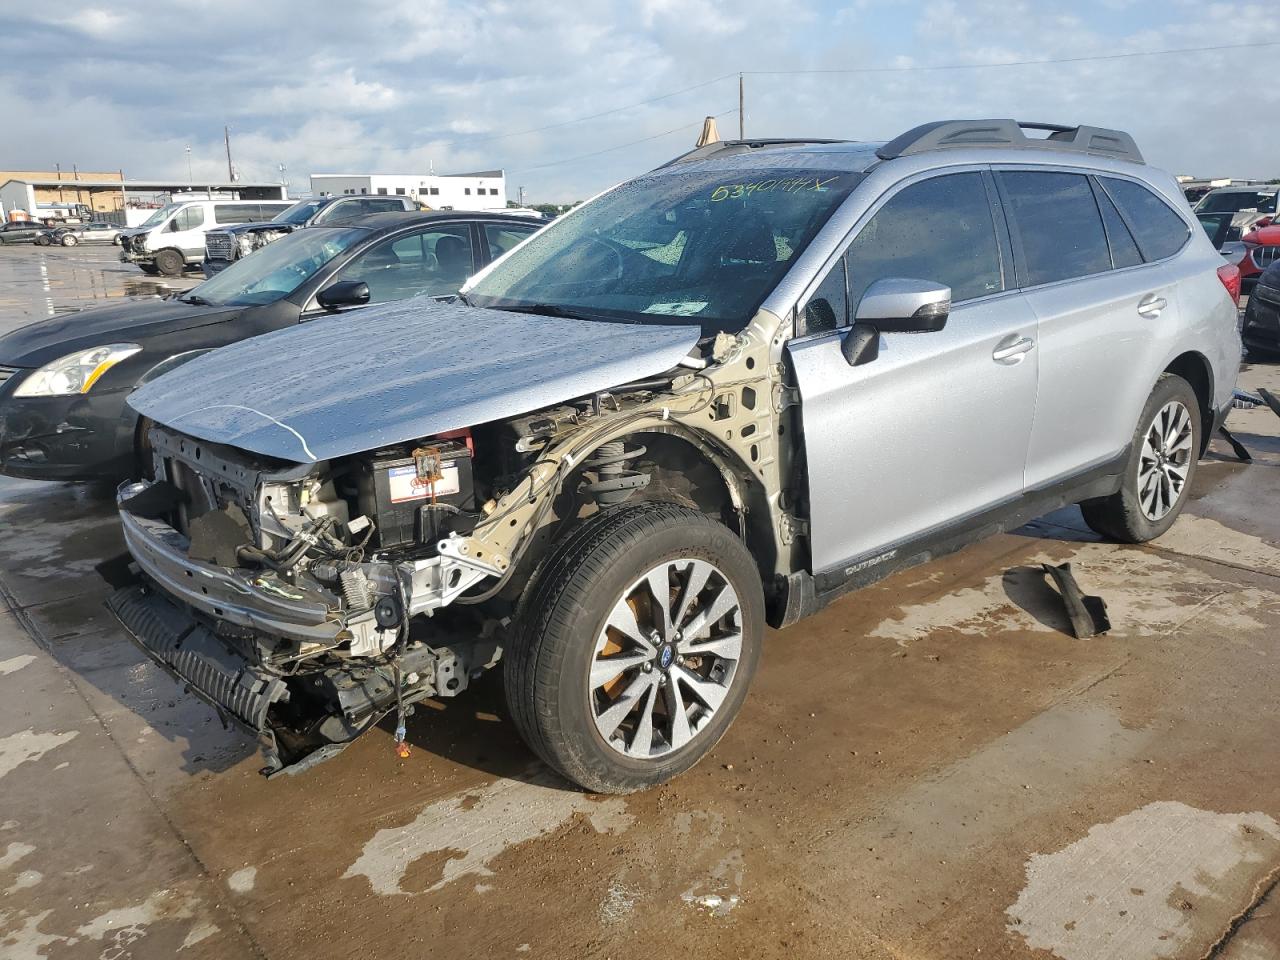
[[1124, 252], [1059, 225], [938, 229], [1159, 231]]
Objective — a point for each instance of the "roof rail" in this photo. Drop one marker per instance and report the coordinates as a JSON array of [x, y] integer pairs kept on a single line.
[[730, 147], [944, 134]]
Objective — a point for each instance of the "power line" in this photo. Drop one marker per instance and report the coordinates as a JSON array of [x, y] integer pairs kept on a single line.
[[631, 143], [591, 116], [913, 68], [1018, 63]]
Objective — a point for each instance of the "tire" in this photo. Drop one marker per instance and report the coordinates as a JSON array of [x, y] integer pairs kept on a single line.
[[599, 569], [69, 241], [1156, 481], [42, 241], [170, 263], [149, 268], [115, 241]]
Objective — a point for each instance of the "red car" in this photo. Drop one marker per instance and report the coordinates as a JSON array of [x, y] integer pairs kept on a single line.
[[1261, 250]]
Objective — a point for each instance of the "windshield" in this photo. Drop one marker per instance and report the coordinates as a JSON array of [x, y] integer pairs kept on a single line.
[[300, 212], [160, 216], [704, 247], [275, 271], [1233, 201]]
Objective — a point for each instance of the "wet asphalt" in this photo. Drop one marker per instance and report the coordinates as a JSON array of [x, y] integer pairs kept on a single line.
[[930, 768]]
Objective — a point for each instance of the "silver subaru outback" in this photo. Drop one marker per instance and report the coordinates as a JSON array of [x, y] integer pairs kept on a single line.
[[715, 397]]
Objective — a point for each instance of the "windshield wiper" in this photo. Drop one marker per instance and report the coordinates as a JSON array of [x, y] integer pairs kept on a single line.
[[547, 310], [196, 299]]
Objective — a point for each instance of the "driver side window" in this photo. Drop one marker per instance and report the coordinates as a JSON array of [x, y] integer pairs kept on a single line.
[[938, 229], [828, 308], [432, 263]]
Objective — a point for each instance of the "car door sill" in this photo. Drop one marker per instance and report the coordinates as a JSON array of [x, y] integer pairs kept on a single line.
[[868, 568]]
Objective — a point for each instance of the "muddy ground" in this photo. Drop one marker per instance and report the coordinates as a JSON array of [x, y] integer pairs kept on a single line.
[[931, 768]]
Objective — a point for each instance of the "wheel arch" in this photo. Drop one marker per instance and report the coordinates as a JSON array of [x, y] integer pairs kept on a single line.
[[1195, 368]]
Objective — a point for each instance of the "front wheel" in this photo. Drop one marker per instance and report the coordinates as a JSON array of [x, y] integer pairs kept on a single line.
[[1157, 475], [69, 241], [170, 262], [636, 649]]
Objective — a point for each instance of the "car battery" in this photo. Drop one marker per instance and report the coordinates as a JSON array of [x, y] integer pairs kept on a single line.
[[405, 492]]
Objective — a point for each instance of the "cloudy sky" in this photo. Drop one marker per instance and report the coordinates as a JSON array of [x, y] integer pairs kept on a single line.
[[393, 86]]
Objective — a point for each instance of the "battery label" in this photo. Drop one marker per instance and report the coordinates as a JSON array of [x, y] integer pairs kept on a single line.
[[405, 484]]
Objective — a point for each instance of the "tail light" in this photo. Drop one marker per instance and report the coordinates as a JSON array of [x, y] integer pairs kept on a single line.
[[1229, 274]]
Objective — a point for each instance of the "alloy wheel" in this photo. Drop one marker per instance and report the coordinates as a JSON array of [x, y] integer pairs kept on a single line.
[[1165, 460], [665, 658]]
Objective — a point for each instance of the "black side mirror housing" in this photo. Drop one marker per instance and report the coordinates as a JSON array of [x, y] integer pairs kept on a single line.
[[344, 293], [861, 344]]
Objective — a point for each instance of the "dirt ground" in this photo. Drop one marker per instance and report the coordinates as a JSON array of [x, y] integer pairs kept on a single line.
[[931, 768]]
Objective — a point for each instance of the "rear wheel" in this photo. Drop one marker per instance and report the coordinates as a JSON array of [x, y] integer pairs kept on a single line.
[[637, 646], [170, 262], [1157, 476]]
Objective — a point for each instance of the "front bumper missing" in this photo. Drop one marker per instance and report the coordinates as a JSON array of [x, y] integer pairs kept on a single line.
[[294, 732]]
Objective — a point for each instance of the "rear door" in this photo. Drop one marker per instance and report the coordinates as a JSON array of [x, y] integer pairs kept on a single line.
[[935, 429], [1105, 314]]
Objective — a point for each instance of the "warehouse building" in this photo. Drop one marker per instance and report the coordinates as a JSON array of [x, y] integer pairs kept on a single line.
[[43, 195], [485, 190]]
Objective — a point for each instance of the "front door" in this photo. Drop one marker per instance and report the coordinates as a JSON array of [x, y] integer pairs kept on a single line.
[[936, 428]]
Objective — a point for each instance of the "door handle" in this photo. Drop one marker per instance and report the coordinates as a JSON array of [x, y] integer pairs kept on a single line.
[[1011, 352], [1151, 306]]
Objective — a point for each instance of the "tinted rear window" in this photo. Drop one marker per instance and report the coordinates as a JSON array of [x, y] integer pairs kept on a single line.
[[1124, 252], [1159, 231], [1059, 225]]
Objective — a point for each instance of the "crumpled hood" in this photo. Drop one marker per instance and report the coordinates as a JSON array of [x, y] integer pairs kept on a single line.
[[128, 320], [371, 378]]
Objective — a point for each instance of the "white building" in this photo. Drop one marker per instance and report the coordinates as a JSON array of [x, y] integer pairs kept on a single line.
[[486, 190]]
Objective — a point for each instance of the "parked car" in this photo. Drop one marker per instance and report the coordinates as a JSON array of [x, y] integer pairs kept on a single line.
[[1261, 328], [22, 231], [1261, 250], [1249, 206], [93, 232], [719, 395], [173, 237], [64, 380], [224, 247]]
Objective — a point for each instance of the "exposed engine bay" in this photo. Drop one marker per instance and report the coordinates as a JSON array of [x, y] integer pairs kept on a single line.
[[307, 601]]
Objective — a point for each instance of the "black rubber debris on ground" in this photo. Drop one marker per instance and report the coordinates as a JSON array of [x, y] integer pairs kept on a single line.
[[1088, 614], [1241, 451]]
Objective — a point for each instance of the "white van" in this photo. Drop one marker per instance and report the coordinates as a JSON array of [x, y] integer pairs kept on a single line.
[[173, 236]]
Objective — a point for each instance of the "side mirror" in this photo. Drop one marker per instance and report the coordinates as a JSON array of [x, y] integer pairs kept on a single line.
[[900, 305], [173, 226], [344, 293], [861, 344]]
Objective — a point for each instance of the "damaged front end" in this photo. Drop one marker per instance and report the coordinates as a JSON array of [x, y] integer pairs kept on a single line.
[[307, 601], [265, 592]]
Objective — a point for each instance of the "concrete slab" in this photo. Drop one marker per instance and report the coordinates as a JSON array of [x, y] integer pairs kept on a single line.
[[930, 768]]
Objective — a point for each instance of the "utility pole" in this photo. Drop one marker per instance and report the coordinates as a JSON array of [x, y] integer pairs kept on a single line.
[[522, 196], [190, 177], [741, 126], [226, 137]]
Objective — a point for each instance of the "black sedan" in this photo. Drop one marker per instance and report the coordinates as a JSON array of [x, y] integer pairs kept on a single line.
[[1261, 330], [22, 231], [64, 380]]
